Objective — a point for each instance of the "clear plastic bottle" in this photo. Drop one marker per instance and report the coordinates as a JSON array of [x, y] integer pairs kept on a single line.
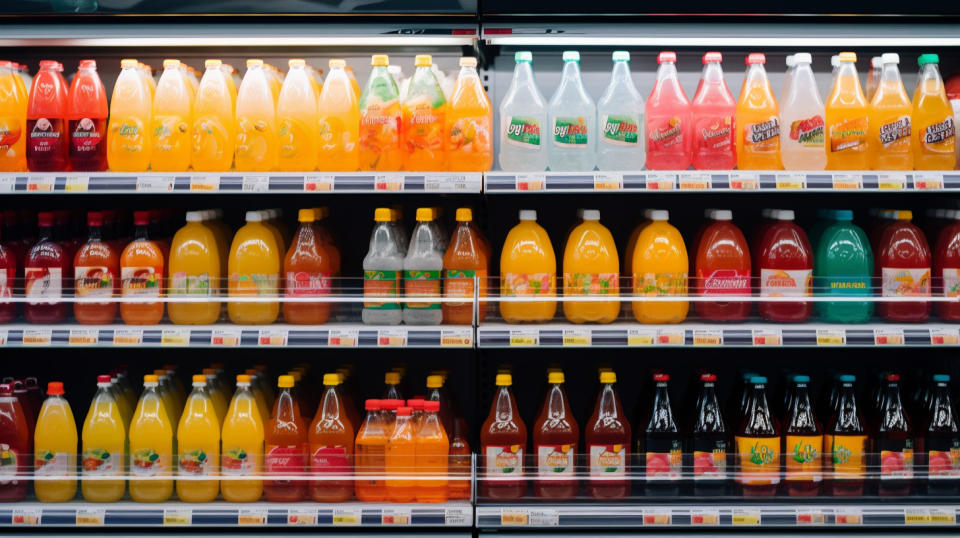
[[172, 117], [381, 272], [620, 118], [758, 120], [802, 113], [421, 272], [523, 117], [573, 121], [791, 61], [713, 110]]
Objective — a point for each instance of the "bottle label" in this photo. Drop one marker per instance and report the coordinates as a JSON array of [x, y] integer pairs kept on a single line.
[[759, 459], [714, 133], [523, 132], [422, 284], [654, 284], [529, 283], [303, 283], [664, 465], [46, 136], [129, 136], [147, 462], [951, 282], [808, 132], [169, 133], [804, 456], [140, 281], [86, 135], [49, 463], [726, 282], [380, 121], [620, 130], [330, 459], [258, 284], [381, 284], [570, 133], [905, 282], [423, 126], [944, 463], [847, 455], [5, 290], [847, 285], [608, 461], [555, 460], [285, 459], [42, 284], [849, 135], [459, 283], [897, 464], [100, 462], [710, 463], [895, 135], [664, 134], [785, 282], [10, 132], [209, 138], [939, 137], [194, 463], [9, 465], [236, 462], [93, 281], [504, 460], [763, 137], [591, 283], [182, 283], [470, 135]]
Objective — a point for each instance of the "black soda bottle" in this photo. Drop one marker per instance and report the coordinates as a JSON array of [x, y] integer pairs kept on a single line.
[[708, 440], [846, 443], [802, 442], [894, 441], [938, 442], [758, 444], [663, 449]]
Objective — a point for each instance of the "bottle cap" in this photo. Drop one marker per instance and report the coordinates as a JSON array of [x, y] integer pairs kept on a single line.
[[528, 214], [621, 56], [434, 381], [423, 60], [464, 214], [424, 214], [904, 214], [846, 57], [661, 378], [756, 58], [941, 378], [834, 60], [722, 214], [171, 64], [285, 382], [150, 378], [847, 378], [382, 214], [391, 405], [431, 406], [213, 63], [194, 216], [331, 380], [555, 377], [105, 378], [379, 60], [571, 56], [468, 61], [199, 378], [791, 60], [591, 214], [127, 63], [758, 379], [876, 62], [404, 411], [667, 57], [254, 216], [254, 63], [802, 58], [844, 215], [337, 63], [523, 56], [243, 378], [608, 377], [416, 404], [504, 380], [371, 405], [925, 59], [45, 218], [660, 215], [306, 215], [712, 57], [801, 379], [88, 64], [708, 377], [391, 378], [784, 214], [890, 58], [141, 218], [94, 218], [892, 377]]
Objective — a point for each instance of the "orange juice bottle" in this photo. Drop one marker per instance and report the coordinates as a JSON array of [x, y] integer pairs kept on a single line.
[[888, 125], [339, 122], [353, 82], [194, 269], [591, 267], [298, 120], [256, 124], [242, 453], [104, 446], [467, 260], [254, 269], [55, 448], [13, 120], [331, 445], [370, 450], [469, 123], [151, 446], [935, 138], [198, 445], [172, 120], [528, 268], [846, 118], [128, 140], [433, 455], [141, 275], [214, 128], [757, 120], [424, 111], [380, 118], [660, 268], [217, 396], [400, 459]]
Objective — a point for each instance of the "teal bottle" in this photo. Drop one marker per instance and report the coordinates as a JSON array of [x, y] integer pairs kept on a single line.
[[825, 219], [843, 266]]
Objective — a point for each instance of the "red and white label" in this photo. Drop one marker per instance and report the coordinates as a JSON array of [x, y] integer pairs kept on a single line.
[[785, 282], [608, 461], [726, 282], [43, 284]]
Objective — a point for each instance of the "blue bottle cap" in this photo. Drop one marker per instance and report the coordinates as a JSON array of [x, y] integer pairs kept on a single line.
[[941, 378], [801, 379], [758, 379], [843, 215], [847, 378]]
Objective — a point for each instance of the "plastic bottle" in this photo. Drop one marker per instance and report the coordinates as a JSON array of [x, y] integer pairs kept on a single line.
[[308, 272], [846, 439], [214, 128], [785, 269], [523, 117], [468, 133], [591, 267], [286, 447], [172, 119], [298, 120], [660, 447], [528, 267], [903, 264], [938, 441], [45, 275], [842, 267], [380, 120], [946, 268], [17, 441], [195, 271], [466, 265], [669, 119], [556, 438], [757, 120], [128, 140], [96, 269], [198, 444], [339, 115], [254, 270], [257, 145], [242, 446], [607, 436], [802, 442], [723, 268], [87, 119], [13, 123], [573, 121], [11, 266], [802, 112], [370, 450], [432, 447], [893, 441], [873, 77], [708, 439], [714, 111], [151, 446], [141, 274], [331, 438], [846, 119], [660, 268], [422, 269], [47, 130], [791, 63], [888, 138], [503, 440], [382, 269], [400, 459], [104, 447], [934, 145], [424, 113], [55, 449], [620, 141], [758, 443]]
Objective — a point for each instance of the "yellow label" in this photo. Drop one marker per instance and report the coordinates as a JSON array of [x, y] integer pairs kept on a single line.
[[759, 459], [846, 456], [849, 135], [804, 454]]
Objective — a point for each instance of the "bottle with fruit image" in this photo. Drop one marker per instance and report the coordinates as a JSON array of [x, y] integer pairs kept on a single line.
[[708, 440], [45, 275], [151, 447], [845, 443], [938, 441], [128, 142], [528, 267], [13, 120], [893, 441], [242, 441], [298, 121], [802, 442], [104, 446], [758, 120], [213, 129], [503, 441], [424, 117], [380, 118], [254, 270], [469, 123], [55, 448], [198, 444], [256, 122], [141, 273], [96, 269], [757, 444]]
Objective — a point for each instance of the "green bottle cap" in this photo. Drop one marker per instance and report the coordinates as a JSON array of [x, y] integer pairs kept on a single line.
[[523, 56], [925, 59]]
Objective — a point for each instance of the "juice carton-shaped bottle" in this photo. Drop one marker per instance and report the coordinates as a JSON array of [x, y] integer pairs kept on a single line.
[[424, 118], [46, 267], [243, 442], [380, 118], [468, 132], [104, 447], [172, 120], [758, 120], [55, 448], [620, 142], [128, 140], [96, 269], [903, 264], [843, 266], [888, 126], [669, 119], [87, 119], [591, 267], [528, 267], [573, 121], [195, 271], [298, 120], [846, 118], [714, 110], [802, 113], [523, 120], [339, 121], [254, 270], [935, 138], [660, 268], [257, 146], [13, 120], [47, 136], [784, 266], [214, 129]]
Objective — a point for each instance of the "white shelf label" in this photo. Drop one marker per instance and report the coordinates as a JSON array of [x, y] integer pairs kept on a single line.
[[892, 181], [84, 337], [37, 337], [708, 337], [8, 183], [302, 516], [318, 183], [888, 337], [175, 337], [77, 184], [767, 337], [392, 338], [705, 517], [456, 337], [524, 337], [225, 337], [831, 337], [127, 337], [272, 337], [579, 337], [255, 184], [745, 516], [608, 181], [927, 181], [395, 516], [90, 517], [252, 516], [343, 338], [177, 517], [347, 516], [943, 336], [26, 516], [694, 181], [544, 518], [641, 337], [446, 183], [658, 181], [457, 517], [41, 183], [155, 183], [388, 182], [846, 182], [744, 181], [670, 337], [791, 181]]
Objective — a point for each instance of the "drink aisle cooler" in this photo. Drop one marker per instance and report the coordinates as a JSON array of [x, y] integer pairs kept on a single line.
[[474, 353]]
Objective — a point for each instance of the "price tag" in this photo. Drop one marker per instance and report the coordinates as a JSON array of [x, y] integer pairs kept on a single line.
[[457, 517], [77, 183], [831, 337], [391, 338], [514, 517], [127, 337], [301, 516], [941, 336], [26, 516], [37, 337], [176, 517], [705, 517], [175, 337], [657, 181], [744, 181], [456, 338], [3, 337], [524, 337], [544, 518], [576, 337], [810, 517], [888, 337], [694, 181], [83, 337], [255, 184], [388, 183], [708, 337], [608, 181], [641, 337], [90, 517], [670, 337], [8, 183], [657, 517], [767, 337], [742, 516], [395, 516], [252, 516], [893, 182], [846, 182], [446, 183], [318, 183], [272, 337], [204, 183], [155, 183], [791, 182], [927, 181], [531, 182], [916, 516], [225, 337], [41, 183], [942, 516], [347, 516], [343, 338], [848, 516]]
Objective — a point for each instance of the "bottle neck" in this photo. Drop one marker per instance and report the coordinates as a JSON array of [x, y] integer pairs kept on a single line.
[[571, 72], [756, 76], [330, 405], [890, 73], [45, 233], [621, 73], [142, 232], [661, 418], [712, 73], [523, 73], [504, 406], [941, 408], [608, 402], [556, 402], [95, 233], [468, 72], [930, 77], [286, 405]]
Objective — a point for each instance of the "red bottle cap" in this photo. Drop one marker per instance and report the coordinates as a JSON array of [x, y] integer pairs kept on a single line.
[[404, 412], [431, 406], [756, 58], [6, 389], [88, 64], [141, 218], [708, 377], [712, 57], [45, 218], [892, 377], [661, 377], [391, 405], [94, 218], [416, 405], [103, 379], [667, 56], [55, 388], [372, 405], [48, 64]]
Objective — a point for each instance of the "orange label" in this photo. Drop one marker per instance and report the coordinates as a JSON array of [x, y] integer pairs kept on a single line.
[[849, 135], [759, 459], [846, 455], [460, 283], [804, 454], [763, 137], [381, 284], [422, 284]]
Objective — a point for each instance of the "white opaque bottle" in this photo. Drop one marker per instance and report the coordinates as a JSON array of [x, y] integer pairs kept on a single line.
[[620, 118], [802, 120], [572, 116], [523, 121]]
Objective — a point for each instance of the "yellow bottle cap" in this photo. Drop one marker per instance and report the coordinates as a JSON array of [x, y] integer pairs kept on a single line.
[[464, 214], [382, 214], [285, 381], [379, 60], [149, 378], [391, 378], [306, 215], [243, 378], [169, 64], [423, 60], [848, 57], [468, 61], [608, 377], [199, 378], [297, 62], [253, 62], [904, 214], [337, 64], [128, 63], [504, 380], [555, 377], [434, 381], [424, 214], [331, 380], [213, 64]]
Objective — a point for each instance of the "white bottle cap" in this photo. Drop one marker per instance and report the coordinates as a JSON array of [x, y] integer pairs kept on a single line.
[[835, 60], [889, 58], [784, 214], [767, 213], [254, 216], [802, 58], [591, 214], [660, 214], [723, 214], [528, 214], [876, 61], [791, 60], [523, 56], [194, 216], [621, 56], [571, 56]]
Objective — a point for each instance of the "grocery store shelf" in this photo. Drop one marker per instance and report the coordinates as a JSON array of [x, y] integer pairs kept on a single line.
[[626, 334], [720, 181], [232, 336], [240, 182], [222, 514]]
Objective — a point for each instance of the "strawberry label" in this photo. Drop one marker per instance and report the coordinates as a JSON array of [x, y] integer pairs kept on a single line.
[[100, 462], [330, 459], [285, 459], [726, 282], [785, 282], [236, 462], [897, 464], [663, 465], [608, 461], [808, 132], [522, 131], [943, 463], [141, 281], [553, 460], [620, 130], [905, 282], [146, 462], [194, 462], [93, 281], [49, 463], [182, 283], [43, 284], [529, 283], [504, 460], [305, 284], [381, 284], [710, 465]]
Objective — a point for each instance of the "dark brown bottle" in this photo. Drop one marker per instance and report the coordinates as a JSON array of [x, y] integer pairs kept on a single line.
[[938, 443], [708, 440], [893, 442], [662, 444], [802, 442], [758, 444], [845, 443]]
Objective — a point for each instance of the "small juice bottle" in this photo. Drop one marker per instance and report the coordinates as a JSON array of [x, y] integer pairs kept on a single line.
[[339, 122], [256, 122], [104, 448], [607, 434], [400, 459], [128, 142], [757, 120], [424, 112], [214, 129], [242, 440], [784, 265], [141, 273], [757, 443], [298, 120], [591, 267], [331, 445], [433, 455], [846, 118], [198, 444], [96, 269], [466, 259], [888, 139], [307, 272], [286, 447], [194, 268], [87, 119], [151, 446], [380, 118], [45, 275], [370, 450], [660, 266], [172, 120], [55, 448], [469, 123], [903, 264], [254, 269], [714, 111], [47, 138], [13, 120], [932, 121], [528, 267]]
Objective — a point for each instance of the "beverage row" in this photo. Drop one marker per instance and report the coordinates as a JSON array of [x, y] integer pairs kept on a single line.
[[292, 121], [206, 444], [836, 441]]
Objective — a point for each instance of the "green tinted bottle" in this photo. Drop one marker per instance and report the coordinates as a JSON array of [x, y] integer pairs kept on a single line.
[[843, 266]]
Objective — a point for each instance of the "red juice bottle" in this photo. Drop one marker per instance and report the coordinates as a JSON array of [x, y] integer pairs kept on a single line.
[[903, 265], [8, 278], [893, 441], [15, 436], [286, 447], [714, 109], [503, 445], [669, 121], [47, 142], [723, 268], [802, 442], [607, 436], [87, 119], [555, 438], [96, 269], [45, 273], [946, 268], [662, 450], [785, 269], [845, 443]]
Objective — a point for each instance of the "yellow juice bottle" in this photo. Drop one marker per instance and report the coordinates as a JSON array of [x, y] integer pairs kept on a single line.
[[254, 269], [172, 120], [935, 140], [256, 127], [591, 267], [846, 118], [242, 447], [469, 123], [298, 120], [169, 400], [660, 268], [198, 446], [13, 120], [128, 140], [424, 113], [256, 387], [888, 123], [757, 120], [528, 268], [217, 396], [104, 447], [214, 129], [151, 447], [55, 449], [339, 114], [194, 269]]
